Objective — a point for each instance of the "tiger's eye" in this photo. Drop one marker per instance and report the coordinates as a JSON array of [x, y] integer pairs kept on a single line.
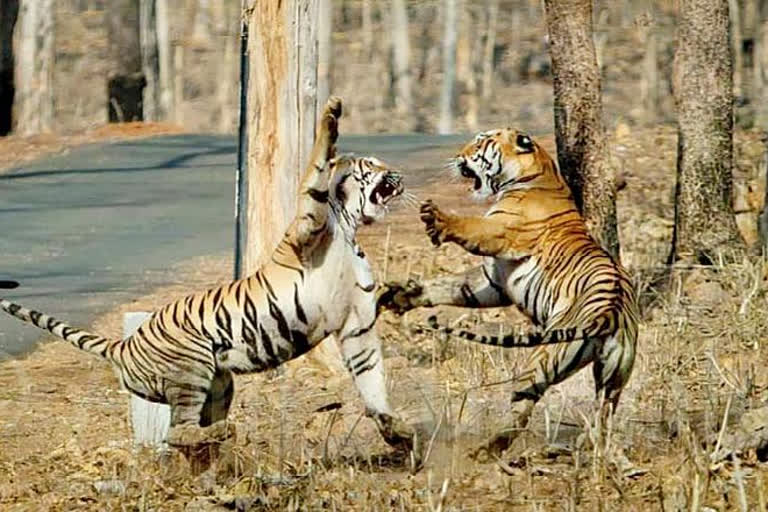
[[524, 142]]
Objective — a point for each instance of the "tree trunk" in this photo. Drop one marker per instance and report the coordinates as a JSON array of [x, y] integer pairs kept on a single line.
[[9, 10], [150, 63], [178, 84], [467, 49], [649, 84], [760, 67], [735, 42], [34, 38], [449, 70], [582, 144], [401, 56], [227, 85], [125, 81], [324, 51], [488, 49], [367, 28], [165, 89], [282, 52], [703, 71], [201, 28]]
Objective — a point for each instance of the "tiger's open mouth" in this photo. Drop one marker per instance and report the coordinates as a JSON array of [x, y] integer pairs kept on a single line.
[[466, 172], [389, 187]]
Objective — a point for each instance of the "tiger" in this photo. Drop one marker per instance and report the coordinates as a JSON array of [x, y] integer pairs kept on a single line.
[[317, 283], [538, 256]]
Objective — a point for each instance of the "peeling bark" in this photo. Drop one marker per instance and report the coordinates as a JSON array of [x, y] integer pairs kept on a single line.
[[282, 52]]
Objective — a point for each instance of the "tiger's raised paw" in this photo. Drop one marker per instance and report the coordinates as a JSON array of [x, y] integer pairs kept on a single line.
[[328, 127], [435, 222], [397, 297]]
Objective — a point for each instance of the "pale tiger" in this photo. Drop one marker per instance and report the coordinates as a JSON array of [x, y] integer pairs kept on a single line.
[[318, 283]]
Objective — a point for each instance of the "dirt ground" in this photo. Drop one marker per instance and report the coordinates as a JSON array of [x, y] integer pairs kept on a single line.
[[302, 440]]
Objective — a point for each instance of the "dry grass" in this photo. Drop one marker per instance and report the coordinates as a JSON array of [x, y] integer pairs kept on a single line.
[[65, 431]]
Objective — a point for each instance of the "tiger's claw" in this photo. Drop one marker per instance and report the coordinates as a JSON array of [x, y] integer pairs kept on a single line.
[[398, 297], [435, 222]]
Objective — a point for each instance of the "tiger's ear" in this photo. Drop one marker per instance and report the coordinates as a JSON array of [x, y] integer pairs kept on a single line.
[[524, 143]]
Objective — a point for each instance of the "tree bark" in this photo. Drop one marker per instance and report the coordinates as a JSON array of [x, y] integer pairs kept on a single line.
[[201, 27], [150, 63], [324, 51], [734, 14], [34, 38], [125, 81], [468, 47], [282, 53], [367, 28], [488, 49], [649, 82], [165, 74], [9, 10], [703, 69], [760, 67], [449, 70], [582, 144], [401, 56]]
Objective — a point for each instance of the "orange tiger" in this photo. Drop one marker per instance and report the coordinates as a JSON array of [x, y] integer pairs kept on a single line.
[[539, 257], [317, 283]]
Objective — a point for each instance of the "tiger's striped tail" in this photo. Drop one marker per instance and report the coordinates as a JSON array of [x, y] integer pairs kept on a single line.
[[83, 340], [526, 339]]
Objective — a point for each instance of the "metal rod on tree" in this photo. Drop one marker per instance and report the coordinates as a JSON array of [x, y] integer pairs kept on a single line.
[[241, 180]]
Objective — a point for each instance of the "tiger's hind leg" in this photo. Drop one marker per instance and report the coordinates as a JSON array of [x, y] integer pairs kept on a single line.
[[193, 425], [218, 399], [611, 370], [546, 366]]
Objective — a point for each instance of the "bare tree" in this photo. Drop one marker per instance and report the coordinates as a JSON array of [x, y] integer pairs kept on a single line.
[[760, 65], [125, 81], [9, 10], [227, 71], [703, 80], [401, 49], [445, 124], [734, 13], [582, 144], [468, 47], [282, 84], [150, 62], [488, 48], [324, 51], [367, 27], [201, 28], [34, 38], [165, 76], [649, 81]]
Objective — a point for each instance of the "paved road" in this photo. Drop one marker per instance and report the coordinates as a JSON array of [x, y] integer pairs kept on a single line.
[[99, 226]]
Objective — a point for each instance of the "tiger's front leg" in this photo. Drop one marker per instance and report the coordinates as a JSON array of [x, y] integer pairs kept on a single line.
[[479, 287], [480, 236], [362, 355]]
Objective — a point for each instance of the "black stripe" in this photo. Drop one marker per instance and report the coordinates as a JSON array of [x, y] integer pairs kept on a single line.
[[321, 196], [366, 289], [269, 349], [468, 296], [299, 311], [282, 323], [224, 322]]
